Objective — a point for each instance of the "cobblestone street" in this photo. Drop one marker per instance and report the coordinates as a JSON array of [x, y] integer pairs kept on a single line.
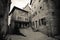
[[30, 35]]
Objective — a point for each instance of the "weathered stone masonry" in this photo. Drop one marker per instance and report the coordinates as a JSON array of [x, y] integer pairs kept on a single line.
[[48, 9]]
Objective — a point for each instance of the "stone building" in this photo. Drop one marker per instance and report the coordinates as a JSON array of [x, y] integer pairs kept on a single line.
[[39, 15], [28, 8], [44, 16], [19, 18]]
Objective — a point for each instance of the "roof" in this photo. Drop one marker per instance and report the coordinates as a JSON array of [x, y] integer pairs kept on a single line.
[[18, 9]]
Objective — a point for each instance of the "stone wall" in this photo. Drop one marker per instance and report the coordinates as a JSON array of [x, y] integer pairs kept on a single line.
[[46, 10], [4, 9]]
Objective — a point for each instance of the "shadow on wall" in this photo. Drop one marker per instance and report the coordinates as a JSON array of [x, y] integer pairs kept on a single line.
[[57, 14]]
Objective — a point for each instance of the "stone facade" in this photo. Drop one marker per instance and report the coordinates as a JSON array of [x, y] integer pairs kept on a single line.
[[44, 17], [19, 19], [19, 15]]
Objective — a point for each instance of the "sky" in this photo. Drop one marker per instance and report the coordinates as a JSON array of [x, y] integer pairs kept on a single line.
[[18, 3]]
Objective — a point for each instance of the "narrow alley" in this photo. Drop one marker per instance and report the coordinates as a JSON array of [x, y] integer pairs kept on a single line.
[[29, 20]]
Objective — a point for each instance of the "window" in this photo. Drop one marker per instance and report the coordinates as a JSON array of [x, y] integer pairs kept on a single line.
[[39, 22], [26, 19], [19, 17], [33, 23], [36, 24], [40, 7], [35, 13], [39, 0], [53, 13], [38, 11], [43, 20]]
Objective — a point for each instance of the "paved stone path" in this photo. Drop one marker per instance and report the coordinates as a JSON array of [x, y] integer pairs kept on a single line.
[[30, 35]]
